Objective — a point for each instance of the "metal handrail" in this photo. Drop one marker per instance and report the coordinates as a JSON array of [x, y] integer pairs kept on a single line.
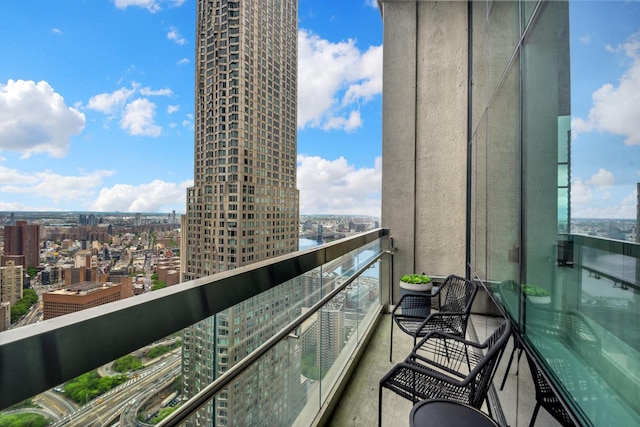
[[209, 392], [37, 357]]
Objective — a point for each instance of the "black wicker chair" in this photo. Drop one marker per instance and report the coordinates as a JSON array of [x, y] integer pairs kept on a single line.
[[443, 366], [545, 396], [456, 295], [570, 330]]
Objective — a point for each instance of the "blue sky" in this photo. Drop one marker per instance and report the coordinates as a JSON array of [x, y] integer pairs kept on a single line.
[[605, 109], [96, 105]]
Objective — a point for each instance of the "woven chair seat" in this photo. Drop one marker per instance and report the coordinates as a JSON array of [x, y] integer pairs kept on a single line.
[[444, 366]]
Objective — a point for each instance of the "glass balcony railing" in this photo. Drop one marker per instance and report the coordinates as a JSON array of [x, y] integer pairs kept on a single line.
[[584, 330], [270, 341]]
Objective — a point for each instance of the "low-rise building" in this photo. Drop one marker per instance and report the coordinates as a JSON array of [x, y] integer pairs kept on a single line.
[[82, 296]]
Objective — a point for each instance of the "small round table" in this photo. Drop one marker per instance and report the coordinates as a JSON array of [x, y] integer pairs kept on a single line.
[[445, 413]]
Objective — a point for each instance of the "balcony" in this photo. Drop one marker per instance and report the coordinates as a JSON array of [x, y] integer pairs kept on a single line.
[[324, 362]]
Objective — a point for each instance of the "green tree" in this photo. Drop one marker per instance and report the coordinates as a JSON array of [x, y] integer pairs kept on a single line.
[[23, 420], [28, 403], [157, 284], [29, 297], [127, 363], [88, 386], [164, 413], [309, 365], [161, 349], [32, 272]]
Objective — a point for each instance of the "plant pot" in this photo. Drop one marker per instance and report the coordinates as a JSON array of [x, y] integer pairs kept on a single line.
[[416, 288], [540, 300]]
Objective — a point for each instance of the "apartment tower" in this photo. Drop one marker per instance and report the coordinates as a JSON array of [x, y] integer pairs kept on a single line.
[[11, 283], [23, 239], [243, 206]]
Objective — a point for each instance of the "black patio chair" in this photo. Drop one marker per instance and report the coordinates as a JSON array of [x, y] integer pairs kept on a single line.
[[572, 331], [443, 366], [545, 396], [455, 295]]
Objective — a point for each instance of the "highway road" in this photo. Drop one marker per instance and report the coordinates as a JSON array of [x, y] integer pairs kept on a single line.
[[126, 398], [119, 405]]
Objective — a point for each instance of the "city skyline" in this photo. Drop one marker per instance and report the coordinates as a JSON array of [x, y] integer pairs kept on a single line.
[[126, 141], [133, 114]]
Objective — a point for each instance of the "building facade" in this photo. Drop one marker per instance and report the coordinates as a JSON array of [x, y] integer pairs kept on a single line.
[[332, 330], [11, 282], [5, 316], [82, 296], [243, 206], [23, 239]]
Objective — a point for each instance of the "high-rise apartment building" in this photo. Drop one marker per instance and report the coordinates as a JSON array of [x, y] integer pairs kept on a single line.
[[11, 282], [23, 239], [5, 316], [243, 206], [332, 327]]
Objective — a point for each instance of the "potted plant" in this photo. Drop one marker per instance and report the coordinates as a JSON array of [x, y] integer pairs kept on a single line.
[[416, 282], [536, 294]]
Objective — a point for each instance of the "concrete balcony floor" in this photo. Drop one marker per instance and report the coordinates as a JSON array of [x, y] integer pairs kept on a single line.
[[358, 405]]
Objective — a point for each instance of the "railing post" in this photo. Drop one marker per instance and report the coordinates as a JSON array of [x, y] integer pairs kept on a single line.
[[386, 274]]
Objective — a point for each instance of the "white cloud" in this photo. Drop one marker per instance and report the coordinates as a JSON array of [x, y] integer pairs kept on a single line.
[[155, 196], [188, 122], [56, 30], [581, 193], [50, 185], [334, 186], [160, 92], [350, 123], [603, 178], [139, 118], [183, 61], [592, 198], [151, 5], [616, 108], [174, 35], [373, 3], [35, 119], [333, 78], [109, 103], [172, 108], [586, 39]]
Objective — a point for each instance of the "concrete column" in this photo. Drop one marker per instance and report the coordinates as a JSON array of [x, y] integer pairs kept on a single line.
[[424, 131]]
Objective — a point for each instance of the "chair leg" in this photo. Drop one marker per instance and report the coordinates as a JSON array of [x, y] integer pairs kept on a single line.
[[506, 372], [391, 341], [466, 355], [535, 414], [380, 405], [516, 346], [519, 357]]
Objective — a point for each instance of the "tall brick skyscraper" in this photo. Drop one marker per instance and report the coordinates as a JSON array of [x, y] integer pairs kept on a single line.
[[243, 206], [23, 239]]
